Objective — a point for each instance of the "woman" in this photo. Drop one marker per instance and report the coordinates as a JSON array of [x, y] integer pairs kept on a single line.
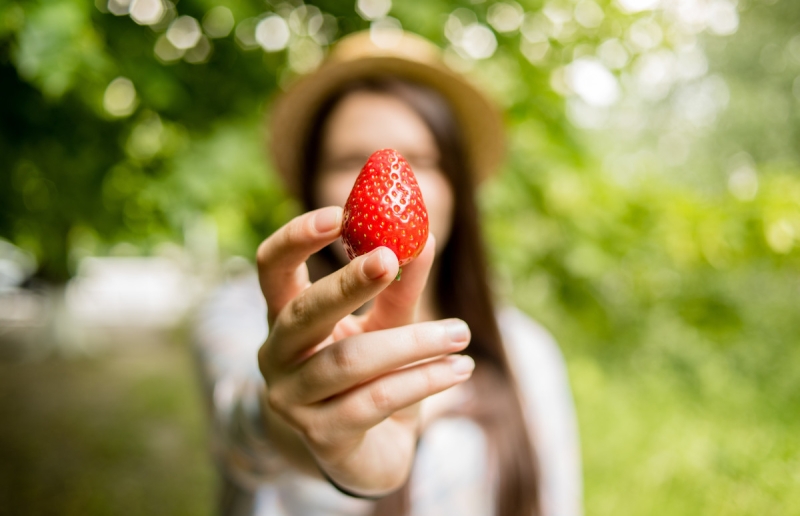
[[431, 401]]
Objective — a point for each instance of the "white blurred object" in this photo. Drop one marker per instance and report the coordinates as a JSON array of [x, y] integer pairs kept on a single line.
[[634, 6], [130, 292], [589, 14], [272, 33], [585, 115], [184, 32], [723, 19], [23, 312], [592, 82], [645, 34], [16, 266], [699, 103], [505, 16], [373, 9], [119, 7], [147, 12], [386, 32], [535, 53], [742, 177], [119, 98], [478, 41], [613, 54]]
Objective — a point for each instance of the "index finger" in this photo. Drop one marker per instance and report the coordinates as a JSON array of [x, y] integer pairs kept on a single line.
[[281, 258]]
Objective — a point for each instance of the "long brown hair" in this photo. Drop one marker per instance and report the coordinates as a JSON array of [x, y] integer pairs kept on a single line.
[[462, 290]]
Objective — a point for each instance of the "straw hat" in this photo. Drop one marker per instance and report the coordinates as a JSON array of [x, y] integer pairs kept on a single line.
[[405, 55]]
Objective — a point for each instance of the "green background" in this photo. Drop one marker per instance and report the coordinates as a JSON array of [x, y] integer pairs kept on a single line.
[[672, 293]]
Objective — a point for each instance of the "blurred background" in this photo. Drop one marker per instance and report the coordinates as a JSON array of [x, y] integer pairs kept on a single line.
[[648, 214]]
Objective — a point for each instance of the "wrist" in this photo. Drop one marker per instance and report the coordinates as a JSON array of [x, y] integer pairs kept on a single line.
[[350, 493]]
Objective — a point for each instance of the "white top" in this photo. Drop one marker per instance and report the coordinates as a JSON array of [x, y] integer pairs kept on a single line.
[[450, 473]]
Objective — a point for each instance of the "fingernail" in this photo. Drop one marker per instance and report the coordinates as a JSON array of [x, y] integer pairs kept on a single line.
[[327, 220], [374, 266], [462, 365], [457, 330]]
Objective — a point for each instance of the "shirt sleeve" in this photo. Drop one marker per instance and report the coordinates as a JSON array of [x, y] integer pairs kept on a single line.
[[550, 411], [228, 330]]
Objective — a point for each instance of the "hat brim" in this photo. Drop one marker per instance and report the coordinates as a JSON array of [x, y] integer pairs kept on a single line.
[[294, 110]]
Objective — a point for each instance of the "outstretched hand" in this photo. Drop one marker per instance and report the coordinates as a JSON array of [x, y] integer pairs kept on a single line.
[[349, 385]]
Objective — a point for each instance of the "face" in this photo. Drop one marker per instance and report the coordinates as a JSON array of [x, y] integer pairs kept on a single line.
[[364, 122]]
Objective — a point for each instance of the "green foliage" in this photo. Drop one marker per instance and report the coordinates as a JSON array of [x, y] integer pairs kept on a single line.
[[659, 242]]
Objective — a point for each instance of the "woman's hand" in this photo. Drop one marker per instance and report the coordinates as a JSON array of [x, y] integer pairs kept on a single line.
[[350, 385]]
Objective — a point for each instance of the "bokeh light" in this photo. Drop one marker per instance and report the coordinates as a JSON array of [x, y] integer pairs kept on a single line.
[[184, 32], [781, 236], [218, 22], [505, 16], [147, 12], [471, 39], [304, 55], [119, 7], [386, 32], [272, 33], [120, 99], [589, 14], [613, 54], [245, 33], [165, 51], [199, 53], [478, 41], [373, 9], [633, 6], [743, 180], [592, 81]]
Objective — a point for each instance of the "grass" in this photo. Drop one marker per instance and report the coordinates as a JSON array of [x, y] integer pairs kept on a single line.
[[658, 440], [675, 427], [122, 433]]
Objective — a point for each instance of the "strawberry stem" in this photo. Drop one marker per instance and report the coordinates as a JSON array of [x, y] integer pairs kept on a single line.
[[399, 272]]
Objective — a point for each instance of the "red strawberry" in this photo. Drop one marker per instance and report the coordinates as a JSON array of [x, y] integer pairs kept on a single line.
[[385, 208]]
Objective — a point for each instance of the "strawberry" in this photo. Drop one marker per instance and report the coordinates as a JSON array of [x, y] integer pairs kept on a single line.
[[385, 208]]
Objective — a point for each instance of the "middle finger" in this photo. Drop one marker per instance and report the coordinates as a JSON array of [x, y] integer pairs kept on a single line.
[[359, 358]]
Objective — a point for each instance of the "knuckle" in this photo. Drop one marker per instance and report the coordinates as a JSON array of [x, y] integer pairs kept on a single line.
[[357, 416], [343, 357], [419, 337], [291, 414], [316, 434], [307, 381], [381, 398], [429, 381], [300, 228], [275, 400], [346, 283], [300, 311], [293, 232]]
